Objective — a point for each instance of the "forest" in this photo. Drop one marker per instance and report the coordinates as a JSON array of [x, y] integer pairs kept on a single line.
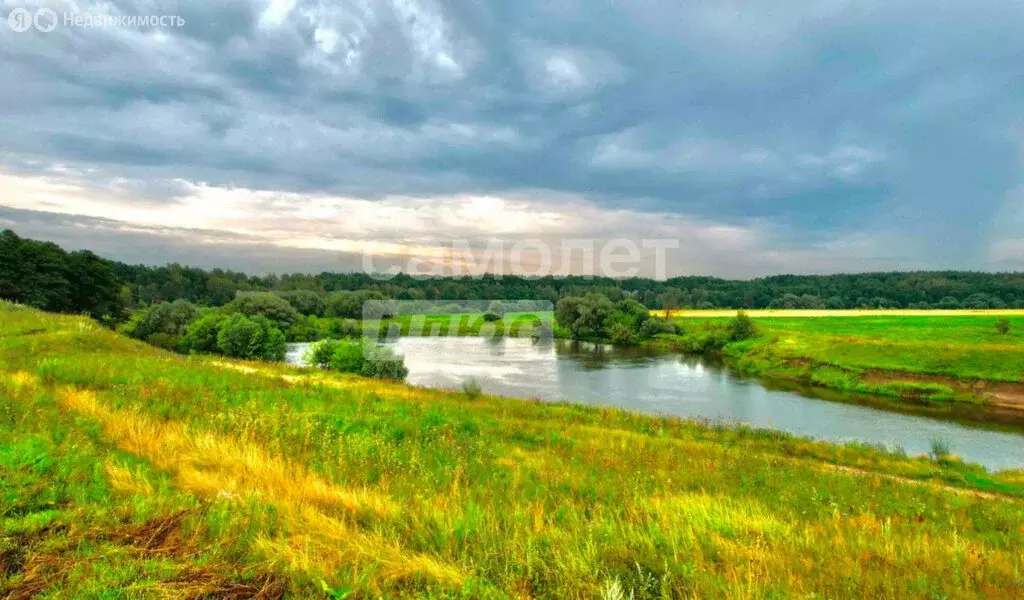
[[43, 275]]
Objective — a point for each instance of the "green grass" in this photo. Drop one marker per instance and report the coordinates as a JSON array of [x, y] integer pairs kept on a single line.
[[927, 358], [130, 472]]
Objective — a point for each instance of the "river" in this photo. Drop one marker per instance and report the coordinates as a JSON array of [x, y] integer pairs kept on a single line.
[[669, 384]]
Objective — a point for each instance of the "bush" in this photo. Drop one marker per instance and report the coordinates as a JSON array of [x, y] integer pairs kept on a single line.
[[656, 326], [319, 355], [471, 388], [585, 317], [251, 338], [491, 317], [622, 334], [709, 337], [381, 362], [347, 328], [348, 356], [303, 330], [1003, 326], [164, 340], [742, 326], [631, 313], [940, 449], [168, 319], [201, 335]]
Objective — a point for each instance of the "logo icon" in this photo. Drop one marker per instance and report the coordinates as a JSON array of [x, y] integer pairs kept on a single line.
[[21, 19], [45, 20]]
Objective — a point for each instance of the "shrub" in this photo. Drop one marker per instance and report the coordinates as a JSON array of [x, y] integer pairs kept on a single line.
[[348, 357], [742, 326], [275, 346], [471, 388], [585, 317], [940, 449], [656, 326], [169, 319], [709, 337], [347, 328], [164, 340], [381, 362], [622, 334], [303, 330], [241, 337], [1003, 326], [201, 335], [251, 338], [491, 317], [631, 313], [319, 355]]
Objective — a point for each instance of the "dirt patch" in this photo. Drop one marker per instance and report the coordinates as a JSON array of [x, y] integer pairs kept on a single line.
[[32, 573], [1006, 395]]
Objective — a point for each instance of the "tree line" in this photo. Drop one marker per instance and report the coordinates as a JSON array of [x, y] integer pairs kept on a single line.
[[596, 317], [44, 275]]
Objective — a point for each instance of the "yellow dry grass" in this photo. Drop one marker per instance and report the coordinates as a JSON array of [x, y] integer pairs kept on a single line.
[[801, 313], [719, 514], [359, 384], [23, 380], [220, 467]]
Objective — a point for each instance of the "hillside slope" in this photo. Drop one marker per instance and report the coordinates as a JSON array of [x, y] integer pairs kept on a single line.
[[126, 471]]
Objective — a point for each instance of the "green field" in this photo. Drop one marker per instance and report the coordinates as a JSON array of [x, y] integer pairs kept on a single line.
[[928, 358], [130, 472], [465, 324]]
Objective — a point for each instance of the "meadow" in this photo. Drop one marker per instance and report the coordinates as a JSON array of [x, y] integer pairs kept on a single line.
[[514, 324], [919, 356], [131, 472]]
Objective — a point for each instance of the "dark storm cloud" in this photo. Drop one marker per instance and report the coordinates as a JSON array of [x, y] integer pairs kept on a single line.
[[830, 120]]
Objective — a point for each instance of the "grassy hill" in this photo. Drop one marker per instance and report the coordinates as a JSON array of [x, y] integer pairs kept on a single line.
[[127, 472]]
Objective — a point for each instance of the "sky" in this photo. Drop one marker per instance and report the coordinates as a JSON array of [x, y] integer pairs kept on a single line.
[[295, 135]]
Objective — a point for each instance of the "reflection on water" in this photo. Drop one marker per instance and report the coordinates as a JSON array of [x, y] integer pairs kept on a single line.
[[650, 381]]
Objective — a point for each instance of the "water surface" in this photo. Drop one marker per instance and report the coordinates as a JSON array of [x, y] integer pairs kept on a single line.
[[670, 384]]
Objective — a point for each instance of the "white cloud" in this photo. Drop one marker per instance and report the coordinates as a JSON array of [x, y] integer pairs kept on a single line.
[[276, 13], [559, 72], [423, 228]]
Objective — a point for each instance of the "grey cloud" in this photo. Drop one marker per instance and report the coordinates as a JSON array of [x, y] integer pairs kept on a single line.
[[828, 120]]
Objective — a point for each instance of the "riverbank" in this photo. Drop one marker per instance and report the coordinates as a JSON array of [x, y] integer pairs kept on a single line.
[[125, 467], [938, 362], [945, 363], [656, 382]]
